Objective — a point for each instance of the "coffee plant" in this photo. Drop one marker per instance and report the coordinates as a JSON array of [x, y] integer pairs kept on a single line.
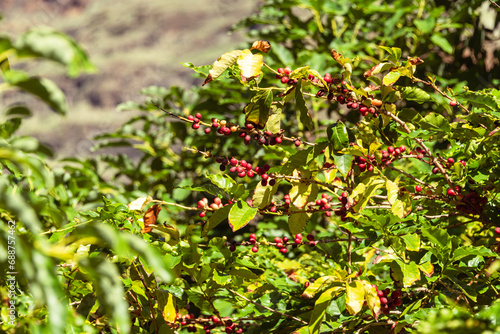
[[348, 194]]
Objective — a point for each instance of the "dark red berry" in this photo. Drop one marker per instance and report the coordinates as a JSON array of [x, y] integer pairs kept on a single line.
[[451, 192]]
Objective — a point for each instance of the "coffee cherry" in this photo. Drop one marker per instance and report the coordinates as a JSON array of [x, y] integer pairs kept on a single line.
[[202, 214], [383, 300], [195, 126], [306, 284], [287, 70], [232, 248], [255, 249], [207, 130], [284, 80], [310, 237], [418, 188], [497, 230], [435, 170], [283, 250], [297, 143], [298, 241], [453, 103], [451, 192], [380, 293], [312, 243]]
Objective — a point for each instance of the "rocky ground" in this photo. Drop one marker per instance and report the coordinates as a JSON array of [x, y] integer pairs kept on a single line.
[[133, 43]]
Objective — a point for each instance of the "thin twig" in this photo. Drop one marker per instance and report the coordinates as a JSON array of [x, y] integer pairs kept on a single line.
[[267, 308], [495, 4], [373, 324], [410, 176]]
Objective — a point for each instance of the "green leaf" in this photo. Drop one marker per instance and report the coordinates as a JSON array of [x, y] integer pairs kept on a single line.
[[343, 163], [43, 88], [274, 121], [297, 221], [221, 64], [415, 94], [437, 236], [410, 272], [464, 251], [355, 297], [482, 99], [215, 219], [442, 42], [436, 122], [305, 118], [240, 214], [257, 111], [427, 25], [51, 44], [412, 242], [223, 181], [338, 136], [320, 307]]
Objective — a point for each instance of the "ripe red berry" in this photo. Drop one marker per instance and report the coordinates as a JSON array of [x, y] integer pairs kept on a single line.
[[195, 126], [283, 250], [202, 214], [310, 237], [451, 192], [255, 249], [435, 170], [287, 70], [297, 143], [450, 161], [390, 149], [284, 80], [380, 293], [207, 130], [497, 230], [306, 284], [453, 103], [298, 235], [312, 243], [418, 188], [383, 300], [198, 115]]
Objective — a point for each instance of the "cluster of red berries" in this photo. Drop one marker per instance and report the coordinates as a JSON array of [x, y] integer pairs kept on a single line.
[[279, 242], [208, 323], [388, 302], [388, 155], [472, 203], [244, 168], [265, 138], [284, 76], [324, 203], [214, 206], [342, 212], [449, 165]]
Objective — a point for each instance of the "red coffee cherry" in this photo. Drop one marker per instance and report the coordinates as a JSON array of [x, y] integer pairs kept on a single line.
[[418, 188], [451, 192], [255, 249]]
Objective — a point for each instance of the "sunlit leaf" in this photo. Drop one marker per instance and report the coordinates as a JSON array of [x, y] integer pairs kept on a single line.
[[240, 214], [250, 65], [221, 64]]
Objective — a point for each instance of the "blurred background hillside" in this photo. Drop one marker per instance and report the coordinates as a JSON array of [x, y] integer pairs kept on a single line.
[[133, 44]]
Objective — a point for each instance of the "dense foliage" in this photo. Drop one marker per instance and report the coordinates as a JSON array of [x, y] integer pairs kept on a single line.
[[322, 182]]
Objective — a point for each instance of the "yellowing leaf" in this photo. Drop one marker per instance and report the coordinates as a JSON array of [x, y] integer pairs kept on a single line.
[[221, 64], [300, 191], [392, 191], [250, 65], [364, 191], [355, 297], [372, 300], [427, 268], [402, 206], [169, 312], [139, 203]]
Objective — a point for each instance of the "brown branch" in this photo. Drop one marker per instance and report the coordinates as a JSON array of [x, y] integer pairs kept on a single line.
[[430, 84], [495, 4], [267, 308]]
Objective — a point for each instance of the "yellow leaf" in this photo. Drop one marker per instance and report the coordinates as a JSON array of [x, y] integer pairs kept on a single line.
[[355, 297], [139, 203], [221, 64], [169, 312], [372, 300], [250, 65]]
